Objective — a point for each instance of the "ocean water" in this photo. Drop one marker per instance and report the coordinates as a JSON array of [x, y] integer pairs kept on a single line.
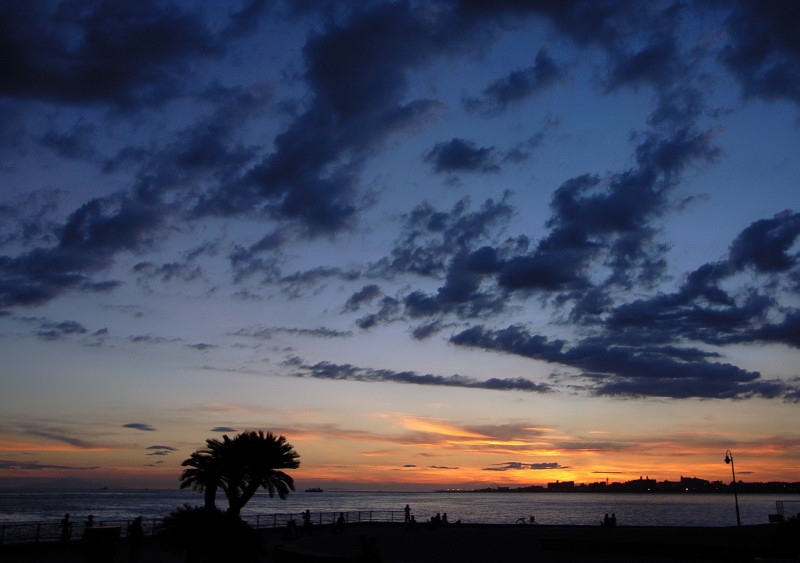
[[489, 508]]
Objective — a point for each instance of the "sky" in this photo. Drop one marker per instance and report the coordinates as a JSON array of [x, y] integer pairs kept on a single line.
[[435, 244]]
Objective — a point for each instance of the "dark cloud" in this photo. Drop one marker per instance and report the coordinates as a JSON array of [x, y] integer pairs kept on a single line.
[[139, 426], [764, 245], [121, 54], [356, 70], [388, 310], [56, 331], [517, 86], [763, 52], [704, 309], [58, 435], [297, 284], [159, 451], [430, 237], [366, 294], [10, 464], [357, 74], [87, 242], [76, 144], [162, 448], [167, 272], [595, 221], [618, 369], [150, 339], [202, 346], [267, 333], [459, 155], [517, 465], [658, 64], [28, 218], [223, 429], [347, 372]]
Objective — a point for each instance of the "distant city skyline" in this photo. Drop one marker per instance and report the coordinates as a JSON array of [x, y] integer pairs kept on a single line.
[[434, 244]]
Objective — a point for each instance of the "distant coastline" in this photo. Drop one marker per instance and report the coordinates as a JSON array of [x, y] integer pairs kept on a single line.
[[646, 485]]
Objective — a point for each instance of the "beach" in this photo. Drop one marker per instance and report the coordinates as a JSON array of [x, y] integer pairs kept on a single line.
[[474, 543]]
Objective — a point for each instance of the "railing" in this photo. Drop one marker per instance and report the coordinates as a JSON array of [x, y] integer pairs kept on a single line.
[[34, 532], [788, 509], [261, 521]]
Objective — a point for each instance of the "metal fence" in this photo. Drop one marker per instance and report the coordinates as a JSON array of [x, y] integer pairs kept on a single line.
[[34, 532]]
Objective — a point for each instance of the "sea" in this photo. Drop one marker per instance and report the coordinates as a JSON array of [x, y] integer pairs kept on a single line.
[[691, 509]]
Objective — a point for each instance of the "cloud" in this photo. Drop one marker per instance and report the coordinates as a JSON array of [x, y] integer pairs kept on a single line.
[[516, 87], [658, 64], [167, 272], [431, 235], [76, 144], [202, 346], [58, 435], [139, 426], [517, 465], [704, 309], [150, 339], [87, 242], [266, 333], [9, 464], [55, 331], [459, 155], [762, 52], [160, 450], [223, 429], [366, 294], [93, 64], [617, 369], [357, 76], [328, 370]]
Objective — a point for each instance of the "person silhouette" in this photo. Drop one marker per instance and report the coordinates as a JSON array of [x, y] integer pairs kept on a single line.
[[66, 528], [307, 521], [135, 534], [340, 522], [291, 528], [407, 510]]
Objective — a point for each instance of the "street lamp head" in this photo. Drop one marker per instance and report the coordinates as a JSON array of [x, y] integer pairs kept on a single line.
[[727, 459]]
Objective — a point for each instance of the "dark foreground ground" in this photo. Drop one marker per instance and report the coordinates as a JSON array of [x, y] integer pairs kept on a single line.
[[480, 543]]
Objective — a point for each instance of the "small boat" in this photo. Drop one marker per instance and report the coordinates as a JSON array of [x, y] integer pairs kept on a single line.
[[314, 490]]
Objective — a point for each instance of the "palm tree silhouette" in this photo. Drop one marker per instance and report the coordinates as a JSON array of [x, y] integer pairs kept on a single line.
[[240, 466], [204, 472]]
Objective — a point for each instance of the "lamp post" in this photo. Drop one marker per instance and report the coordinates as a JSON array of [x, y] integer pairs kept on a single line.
[[729, 459]]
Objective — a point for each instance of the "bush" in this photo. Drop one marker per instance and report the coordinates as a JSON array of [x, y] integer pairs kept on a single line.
[[210, 536]]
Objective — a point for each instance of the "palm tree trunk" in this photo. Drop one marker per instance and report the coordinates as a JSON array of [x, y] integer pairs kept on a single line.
[[210, 497], [248, 492], [235, 508]]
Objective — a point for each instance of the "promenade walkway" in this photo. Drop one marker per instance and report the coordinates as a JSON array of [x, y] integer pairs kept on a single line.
[[473, 543]]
